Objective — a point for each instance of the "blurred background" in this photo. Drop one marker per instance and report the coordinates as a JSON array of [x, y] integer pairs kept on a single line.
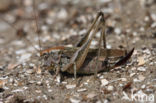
[[61, 19], [130, 23]]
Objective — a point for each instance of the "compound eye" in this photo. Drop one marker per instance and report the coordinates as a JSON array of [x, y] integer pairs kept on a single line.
[[45, 56]]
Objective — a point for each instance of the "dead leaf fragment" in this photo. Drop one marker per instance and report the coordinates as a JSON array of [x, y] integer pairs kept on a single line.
[[38, 70], [141, 61], [2, 82], [12, 66]]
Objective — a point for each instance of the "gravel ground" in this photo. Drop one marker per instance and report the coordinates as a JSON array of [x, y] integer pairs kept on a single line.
[[130, 23]]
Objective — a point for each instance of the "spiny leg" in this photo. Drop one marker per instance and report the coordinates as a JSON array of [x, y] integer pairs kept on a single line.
[[57, 73], [85, 37], [98, 55], [104, 44], [102, 36], [80, 55], [74, 70], [103, 33]]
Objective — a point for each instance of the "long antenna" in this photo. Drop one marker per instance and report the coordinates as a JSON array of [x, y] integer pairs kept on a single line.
[[37, 26], [10, 24], [19, 32]]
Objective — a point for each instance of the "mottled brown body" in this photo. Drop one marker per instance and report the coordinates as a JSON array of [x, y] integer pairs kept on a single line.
[[52, 60], [83, 60]]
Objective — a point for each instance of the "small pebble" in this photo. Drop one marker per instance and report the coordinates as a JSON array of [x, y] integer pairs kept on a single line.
[[151, 63], [146, 18], [109, 46], [73, 100], [82, 19], [135, 33], [30, 71], [105, 1], [142, 69], [43, 6], [133, 68], [121, 85], [82, 32], [93, 43], [70, 86], [143, 86], [98, 34], [136, 80], [45, 97], [17, 90], [142, 29], [28, 2], [141, 77], [31, 64], [18, 43], [58, 79], [123, 79], [153, 25], [56, 36], [132, 74], [24, 57], [31, 81], [153, 16], [62, 14], [147, 51], [91, 95], [38, 91], [49, 90], [104, 82], [110, 88], [21, 51], [82, 90], [117, 30], [64, 82], [39, 83], [101, 77]]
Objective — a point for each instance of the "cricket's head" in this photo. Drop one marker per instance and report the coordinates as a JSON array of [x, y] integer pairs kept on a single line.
[[54, 60], [50, 61]]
